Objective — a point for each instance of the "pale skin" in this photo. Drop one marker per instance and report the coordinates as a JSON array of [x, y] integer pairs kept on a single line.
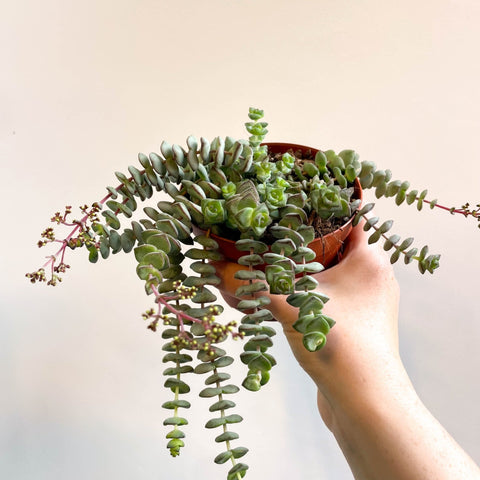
[[365, 396]]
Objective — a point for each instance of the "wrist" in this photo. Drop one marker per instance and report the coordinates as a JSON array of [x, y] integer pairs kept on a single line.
[[352, 391]]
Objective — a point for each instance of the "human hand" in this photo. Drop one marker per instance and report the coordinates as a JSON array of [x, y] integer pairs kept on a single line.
[[363, 301], [365, 396]]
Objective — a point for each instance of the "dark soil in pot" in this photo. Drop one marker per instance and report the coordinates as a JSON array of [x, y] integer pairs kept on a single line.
[[331, 234]]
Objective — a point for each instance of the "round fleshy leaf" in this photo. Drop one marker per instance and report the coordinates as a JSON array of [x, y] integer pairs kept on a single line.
[[217, 377], [175, 384], [174, 445], [213, 210], [113, 192], [250, 304], [283, 246], [157, 259], [173, 272], [300, 298], [252, 383], [257, 317], [255, 246], [213, 392], [260, 362], [203, 268], [168, 226], [264, 377], [310, 169], [136, 174], [143, 250], [307, 232], [238, 469], [93, 255], [111, 219], [226, 436], [313, 304], [284, 232], [246, 357], [210, 392], [318, 324], [303, 254], [204, 296], [239, 452], [127, 240], [173, 404], [175, 421], [291, 220], [229, 389], [205, 356], [281, 281], [314, 341], [204, 368], [201, 254], [271, 258], [249, 275], [177, 370], [104, 248], [223, 457], [221, 405], [228, 419], [306, 283], [177, 357], [224, 361], [302, 322], [201, 281], [249, 330], [199, 312], [158, 163], [206, 242], [312, 267], [258, 341], [175, 434], [251, 288], [164, 242]]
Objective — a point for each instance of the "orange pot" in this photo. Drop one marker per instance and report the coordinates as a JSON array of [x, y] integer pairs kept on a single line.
[[328, 248]]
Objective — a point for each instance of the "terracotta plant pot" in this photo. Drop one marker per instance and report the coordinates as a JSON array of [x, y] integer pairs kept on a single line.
[[328, 248]]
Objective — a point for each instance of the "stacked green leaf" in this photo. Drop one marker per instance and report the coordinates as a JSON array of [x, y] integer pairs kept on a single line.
[[381, 181], [217, 389], [176, 383], [255, 355]]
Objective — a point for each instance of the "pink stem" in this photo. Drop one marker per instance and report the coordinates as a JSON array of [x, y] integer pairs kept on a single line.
[[179, 314], [455, 210], [77, 226]]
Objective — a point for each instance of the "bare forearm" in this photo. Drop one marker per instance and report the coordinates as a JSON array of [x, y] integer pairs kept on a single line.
[[365, 396], [368, 402], [385, 432]]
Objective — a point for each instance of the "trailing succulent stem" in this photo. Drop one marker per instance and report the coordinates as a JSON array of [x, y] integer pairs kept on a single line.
[[255, 355], [211, 364], [177, 386], [272, 205]]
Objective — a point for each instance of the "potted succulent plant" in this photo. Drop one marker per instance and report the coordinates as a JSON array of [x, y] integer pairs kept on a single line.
[[281, 211]]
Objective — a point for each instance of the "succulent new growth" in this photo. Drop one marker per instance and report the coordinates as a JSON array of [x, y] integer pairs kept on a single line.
[[272, 205]]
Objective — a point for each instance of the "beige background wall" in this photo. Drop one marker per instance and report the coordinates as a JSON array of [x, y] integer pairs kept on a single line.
[[86, 85]]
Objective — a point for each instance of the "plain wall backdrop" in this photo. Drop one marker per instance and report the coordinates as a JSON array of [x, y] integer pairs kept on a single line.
[[85, 86]]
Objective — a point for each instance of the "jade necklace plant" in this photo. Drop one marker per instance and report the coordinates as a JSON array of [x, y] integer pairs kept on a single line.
[[273, 205]]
